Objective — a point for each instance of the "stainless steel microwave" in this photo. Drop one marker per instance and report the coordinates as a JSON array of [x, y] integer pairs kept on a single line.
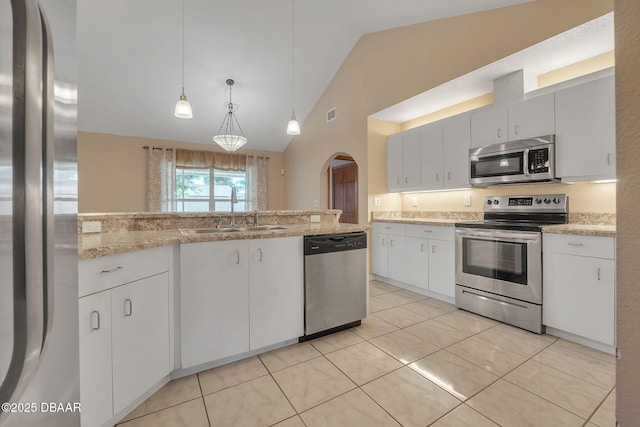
[[523, 161]]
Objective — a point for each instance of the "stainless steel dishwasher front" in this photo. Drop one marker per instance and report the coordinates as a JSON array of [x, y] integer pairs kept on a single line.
[[335, 290]]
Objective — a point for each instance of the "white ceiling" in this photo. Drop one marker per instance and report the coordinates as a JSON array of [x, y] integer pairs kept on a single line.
[[129, 60]]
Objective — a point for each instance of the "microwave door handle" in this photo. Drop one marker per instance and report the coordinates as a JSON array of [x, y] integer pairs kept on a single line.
[[525, 160]]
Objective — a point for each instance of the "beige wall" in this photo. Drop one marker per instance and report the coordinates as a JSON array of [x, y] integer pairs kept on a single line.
[[627, 23], [112, 172], [388, 67]]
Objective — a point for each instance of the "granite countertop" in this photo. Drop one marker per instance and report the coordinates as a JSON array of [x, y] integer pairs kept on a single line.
[[92, 245], [572, 228], [421, 221]]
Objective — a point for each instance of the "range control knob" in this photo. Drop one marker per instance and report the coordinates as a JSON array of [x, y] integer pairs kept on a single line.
[[547, 200], [496, 202], [489, 202], [556, 200], [538, 200]]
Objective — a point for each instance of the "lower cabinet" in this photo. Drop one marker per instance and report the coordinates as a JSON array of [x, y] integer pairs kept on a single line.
[[239, 295], [124, 330], [140, 337], [579, 286], [420, 255]]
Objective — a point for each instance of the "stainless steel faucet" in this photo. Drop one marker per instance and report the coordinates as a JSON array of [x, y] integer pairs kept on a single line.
[[234, 200]]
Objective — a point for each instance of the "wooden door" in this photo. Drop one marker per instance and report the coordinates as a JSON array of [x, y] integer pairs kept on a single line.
[[345, 192]]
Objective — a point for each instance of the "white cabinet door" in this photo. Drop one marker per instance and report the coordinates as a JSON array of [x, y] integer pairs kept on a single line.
[[214, 300], [442, 267], [380, 254], [431, 156], [586, 131], [532, 118], [395, 174], [140, 343], [489, 126], [456, 144], [276, 300], [579, 296], [397, 257], [411, 159], [95, 359], [417, 262]]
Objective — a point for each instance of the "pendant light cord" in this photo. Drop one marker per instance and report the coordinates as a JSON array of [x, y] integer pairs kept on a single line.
[[293, 64], [182, 47]]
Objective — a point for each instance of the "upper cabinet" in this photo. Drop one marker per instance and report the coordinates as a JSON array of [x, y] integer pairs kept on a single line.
[[524, 119], [403, 161], [586, 131]]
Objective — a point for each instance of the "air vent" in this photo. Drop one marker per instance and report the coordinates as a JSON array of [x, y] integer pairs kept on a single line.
[[331, 115]]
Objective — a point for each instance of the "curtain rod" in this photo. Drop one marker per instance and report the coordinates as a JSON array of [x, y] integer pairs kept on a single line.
[[146, 147]]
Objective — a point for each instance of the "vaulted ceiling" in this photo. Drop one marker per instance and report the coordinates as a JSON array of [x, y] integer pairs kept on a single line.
[[130, 60]]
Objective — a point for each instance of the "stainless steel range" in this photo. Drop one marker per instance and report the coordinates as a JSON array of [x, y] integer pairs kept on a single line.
[[499, 260]]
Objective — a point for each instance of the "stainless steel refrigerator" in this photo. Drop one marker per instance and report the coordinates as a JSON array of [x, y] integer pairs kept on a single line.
[[38, 214]]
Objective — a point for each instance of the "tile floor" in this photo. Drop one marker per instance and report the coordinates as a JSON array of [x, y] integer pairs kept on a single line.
[[415, 361]]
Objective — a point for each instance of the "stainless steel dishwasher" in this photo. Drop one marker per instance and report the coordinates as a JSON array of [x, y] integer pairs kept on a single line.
[[335, 289]]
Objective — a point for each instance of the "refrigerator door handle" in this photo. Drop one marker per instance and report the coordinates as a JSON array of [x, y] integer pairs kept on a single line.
[[28, 249], [48, 141]]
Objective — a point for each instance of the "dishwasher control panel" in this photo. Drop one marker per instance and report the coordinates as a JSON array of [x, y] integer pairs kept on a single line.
[[326, 243]]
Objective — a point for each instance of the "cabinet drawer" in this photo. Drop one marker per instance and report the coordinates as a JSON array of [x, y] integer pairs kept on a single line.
[[430, 232], [98, 274], [388, 228], [591, 246]]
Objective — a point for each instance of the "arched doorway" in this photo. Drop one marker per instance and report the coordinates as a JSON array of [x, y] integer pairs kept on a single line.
[[342, 177]]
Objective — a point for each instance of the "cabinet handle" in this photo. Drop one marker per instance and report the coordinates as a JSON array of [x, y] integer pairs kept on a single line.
[[599, 277], [608, 158], [421, 247], [516, 129], [387, 228], [398, 180], [237, 257], [449, 175], [433, 249], [260, 257], [95, 314], [391, 243], [111, 270], [383, 242], [575, 244], [438, 177], [428, 231], [499, 133], [128, 308], [406, 180]]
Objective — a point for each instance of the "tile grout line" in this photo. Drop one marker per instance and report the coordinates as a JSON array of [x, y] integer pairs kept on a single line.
[[206, 411]]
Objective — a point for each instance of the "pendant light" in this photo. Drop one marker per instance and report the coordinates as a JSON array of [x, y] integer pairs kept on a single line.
[[293, 128], [183, 108], [227, 137]]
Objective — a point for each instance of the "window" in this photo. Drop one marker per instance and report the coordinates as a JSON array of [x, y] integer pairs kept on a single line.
[[196, 194]]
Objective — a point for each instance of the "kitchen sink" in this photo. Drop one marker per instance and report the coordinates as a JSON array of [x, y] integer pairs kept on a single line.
[[196, 231]]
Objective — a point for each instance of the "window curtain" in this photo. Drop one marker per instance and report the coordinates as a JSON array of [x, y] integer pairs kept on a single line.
[[257, 183], [161, 179], [209, 159]]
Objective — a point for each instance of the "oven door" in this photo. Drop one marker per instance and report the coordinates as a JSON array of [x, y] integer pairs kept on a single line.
[[502, 262]]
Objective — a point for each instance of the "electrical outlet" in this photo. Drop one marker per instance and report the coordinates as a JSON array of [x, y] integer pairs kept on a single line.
[[91, 227], [467, 200], [315, 204], [315, 218], [414, 201], [377, 202]]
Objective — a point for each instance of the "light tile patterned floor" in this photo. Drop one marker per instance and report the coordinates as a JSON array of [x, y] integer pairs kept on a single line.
[[415, 361]]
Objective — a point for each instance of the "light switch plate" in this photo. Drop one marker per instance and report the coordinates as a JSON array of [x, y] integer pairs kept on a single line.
[[467, 200], [91, 227], [377, 202], [414, 201], [315, 218]]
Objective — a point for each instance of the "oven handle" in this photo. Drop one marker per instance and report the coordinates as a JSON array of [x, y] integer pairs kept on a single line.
[[517, 236], [525, 166]]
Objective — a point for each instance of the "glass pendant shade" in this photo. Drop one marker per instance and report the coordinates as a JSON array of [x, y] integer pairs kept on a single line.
[[230, 143], [183, 108], [293, 128]]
